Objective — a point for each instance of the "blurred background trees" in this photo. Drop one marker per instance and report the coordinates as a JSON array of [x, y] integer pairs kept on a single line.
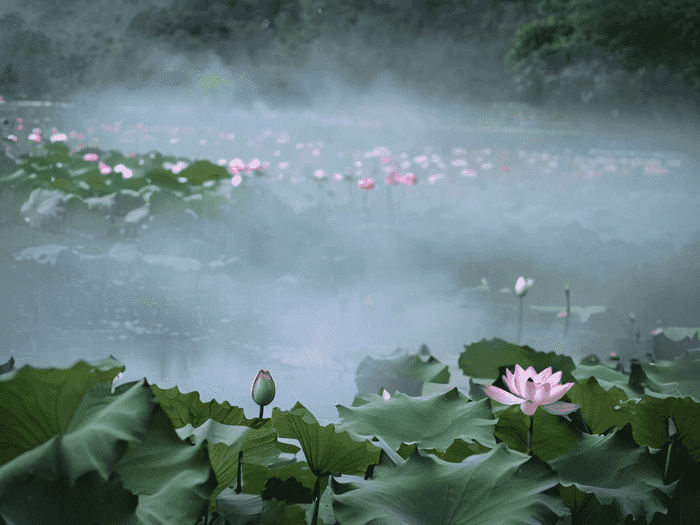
[[559, 54]]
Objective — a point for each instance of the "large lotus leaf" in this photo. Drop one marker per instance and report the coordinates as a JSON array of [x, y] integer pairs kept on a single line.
[[167, 203], [117, 181], [552, 435], [125, 201], [253, 511], [649, 420], [212, 206], [679, 376], [598, 404], [71, 187], [325, 450], [257, 449], [12, 177], [501, 487], [194, 202], [187, 411], [483, 359], [97, 182], [633, 387], [20, 188], [55, 152], [618, 472], [173, 479], [429, 422], [113, 158], [163, 178], [56, 171], [8, 367], [202, 171], [228, 432], [29, 396], [399, 373], [92, 452], [38, 163]]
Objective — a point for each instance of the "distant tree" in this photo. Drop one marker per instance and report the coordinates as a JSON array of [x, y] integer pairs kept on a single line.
[[627, 33], [9, 81]]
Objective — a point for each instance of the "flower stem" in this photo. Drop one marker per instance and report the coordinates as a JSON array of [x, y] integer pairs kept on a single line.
[[529, 435], [520, 319], [568, 311], [317, 501], [668, 461], [672, 434], [240, 470]]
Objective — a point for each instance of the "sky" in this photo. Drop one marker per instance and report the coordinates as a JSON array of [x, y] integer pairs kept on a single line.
[[562, 213]]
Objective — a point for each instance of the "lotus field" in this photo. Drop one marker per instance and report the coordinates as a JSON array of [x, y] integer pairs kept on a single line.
[[198, 274]]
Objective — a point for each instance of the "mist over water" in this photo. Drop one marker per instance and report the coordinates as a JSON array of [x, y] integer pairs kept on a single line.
[[623, 242]]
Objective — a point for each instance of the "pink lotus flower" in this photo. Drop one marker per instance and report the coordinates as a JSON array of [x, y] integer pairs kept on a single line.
[[409, 179], [530, 390], [393, 178], [366, 184], [237, 166]]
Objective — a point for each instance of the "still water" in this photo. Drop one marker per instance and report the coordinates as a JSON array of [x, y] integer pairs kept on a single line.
[[312, 353]]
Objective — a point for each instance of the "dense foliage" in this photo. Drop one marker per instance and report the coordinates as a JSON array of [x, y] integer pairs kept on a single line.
[[629, 33], [578, 52]]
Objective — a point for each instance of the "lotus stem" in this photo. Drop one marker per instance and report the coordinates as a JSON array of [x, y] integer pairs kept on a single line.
[[520, 318], [529, 435], [317, 498], [632, 320], [673, 435], [568, 309], [239, 482], [668, 460], [389, 203]]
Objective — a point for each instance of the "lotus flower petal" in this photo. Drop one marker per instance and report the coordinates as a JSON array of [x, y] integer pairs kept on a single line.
[[521, 377], [500, 395], [557, 392], [509, 380], [554, 379], [544, 375], [540, 396], [561, 409]]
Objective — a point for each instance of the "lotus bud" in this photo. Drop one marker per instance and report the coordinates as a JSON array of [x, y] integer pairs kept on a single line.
[[522, 285], [424, 353], [263, 390]]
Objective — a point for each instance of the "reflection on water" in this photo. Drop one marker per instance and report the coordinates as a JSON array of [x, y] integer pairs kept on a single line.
[[312, 348]]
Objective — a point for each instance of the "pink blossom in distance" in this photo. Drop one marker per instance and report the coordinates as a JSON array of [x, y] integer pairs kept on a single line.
[[366, 184]]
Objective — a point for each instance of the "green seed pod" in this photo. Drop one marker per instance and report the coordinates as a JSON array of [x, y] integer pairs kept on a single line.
[[263, 389]]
